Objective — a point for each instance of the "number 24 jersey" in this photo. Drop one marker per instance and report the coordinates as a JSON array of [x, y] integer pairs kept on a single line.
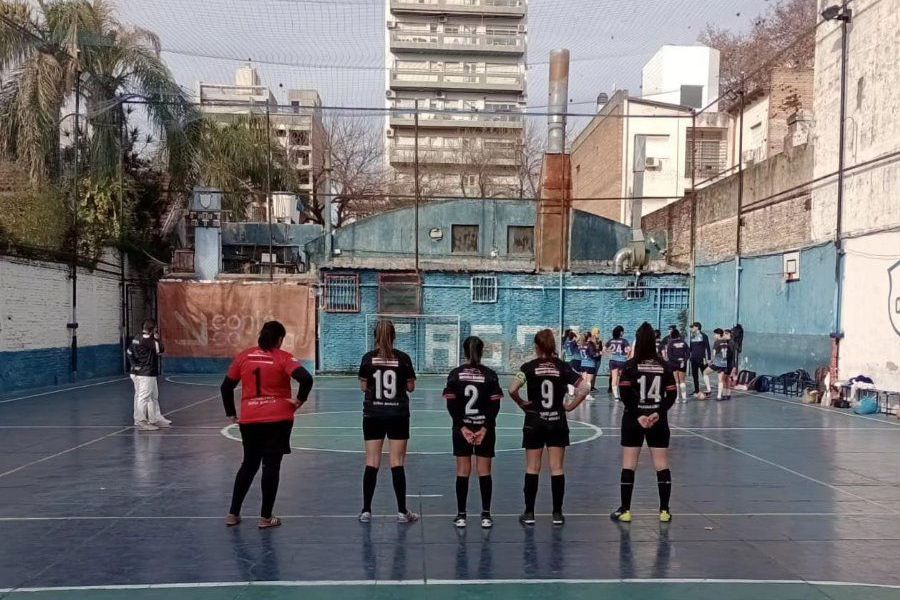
[[386, 379], [547, 381]]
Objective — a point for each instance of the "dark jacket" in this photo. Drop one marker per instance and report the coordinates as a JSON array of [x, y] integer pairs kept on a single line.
[[143, 355], [700, 347]]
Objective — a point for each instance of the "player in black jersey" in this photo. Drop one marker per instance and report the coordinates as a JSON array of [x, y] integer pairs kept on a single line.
[[547, 379], [723, 362], [473, 397], [648, 391], [678, 355], [387, 377]]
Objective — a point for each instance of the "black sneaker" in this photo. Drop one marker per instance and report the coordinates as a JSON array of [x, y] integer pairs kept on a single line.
[[558, 519], [526, 518], [486, 521], [460, 520]]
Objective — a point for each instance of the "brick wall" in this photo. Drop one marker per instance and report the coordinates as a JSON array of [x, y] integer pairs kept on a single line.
[[597, 166], [35, 307], [525, 303], [789, 91]]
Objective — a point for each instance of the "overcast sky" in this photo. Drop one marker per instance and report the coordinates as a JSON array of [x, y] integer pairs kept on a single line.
[[337, 46]]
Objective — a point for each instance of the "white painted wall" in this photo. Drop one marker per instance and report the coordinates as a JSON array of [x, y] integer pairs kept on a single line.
[[35, 305], [871, 206], [674, 66]]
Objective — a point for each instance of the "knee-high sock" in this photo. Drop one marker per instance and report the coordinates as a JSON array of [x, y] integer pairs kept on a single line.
[[664, 483], [682, 387], [398, 474], [706, 382], [370, 478], [626, 488], [558, 487], [531, 490], [462, 493], [486, 483]]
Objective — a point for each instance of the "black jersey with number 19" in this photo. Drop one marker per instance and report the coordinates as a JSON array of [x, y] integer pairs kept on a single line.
[[547, 381], [386, 380]]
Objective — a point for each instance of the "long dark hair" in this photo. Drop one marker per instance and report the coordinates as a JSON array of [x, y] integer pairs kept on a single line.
[[618, 330], [270, 335], [473, 348], [675, 334], [384, 339], [645, 343], [545, 342]]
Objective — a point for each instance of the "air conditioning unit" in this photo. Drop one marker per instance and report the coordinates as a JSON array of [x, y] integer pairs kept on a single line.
[[390, 94], [392, 24], [791, 266], [652, 164], [390, 133], [442, 19], [440, 94], [523, 29], [749, 156]]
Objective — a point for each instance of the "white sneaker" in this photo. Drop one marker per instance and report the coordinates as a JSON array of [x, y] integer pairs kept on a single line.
[[163, 423], [365, 517], [407, 517], [590, 398], [460, 521], [145, 426]]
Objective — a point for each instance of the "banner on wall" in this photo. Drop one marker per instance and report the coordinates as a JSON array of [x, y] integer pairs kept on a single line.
[[220, 320]]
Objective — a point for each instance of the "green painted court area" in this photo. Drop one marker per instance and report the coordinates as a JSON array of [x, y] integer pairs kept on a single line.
[[340, 431], [646, 590]]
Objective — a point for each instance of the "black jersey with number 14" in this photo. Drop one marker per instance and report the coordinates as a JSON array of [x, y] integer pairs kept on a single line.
[[386, 380], [473, 396], [547, 381], [647, 387]]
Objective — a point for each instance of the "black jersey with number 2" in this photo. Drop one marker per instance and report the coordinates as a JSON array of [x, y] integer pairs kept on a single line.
[[473, 396], [386, 380], [647, 387], [547, 381]]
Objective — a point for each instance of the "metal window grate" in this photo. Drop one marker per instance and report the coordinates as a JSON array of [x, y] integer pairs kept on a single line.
[[673, 298], [484, 289], [635, 290], [341, 293]]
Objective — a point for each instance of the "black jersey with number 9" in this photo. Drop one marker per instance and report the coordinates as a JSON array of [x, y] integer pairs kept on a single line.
[[547, 381], [386, 380]]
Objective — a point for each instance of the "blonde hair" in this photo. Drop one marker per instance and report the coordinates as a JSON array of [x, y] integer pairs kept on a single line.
[[384, 339]]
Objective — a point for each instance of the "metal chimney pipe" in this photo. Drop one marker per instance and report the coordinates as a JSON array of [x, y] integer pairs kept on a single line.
[[557, 101]]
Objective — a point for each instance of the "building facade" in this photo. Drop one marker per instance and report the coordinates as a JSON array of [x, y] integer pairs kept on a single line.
[[297, 126], [463, 63], [684, 75]]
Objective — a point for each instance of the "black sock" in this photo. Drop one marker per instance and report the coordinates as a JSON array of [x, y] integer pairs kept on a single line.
[[462, 493], [531, 489], [398, 474], [558, 486], [486, 483], [627, 487], [370, 478], [664, 483]]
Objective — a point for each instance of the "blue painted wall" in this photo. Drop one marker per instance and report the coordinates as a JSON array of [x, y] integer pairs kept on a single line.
[[52, 366], [525, 303], [787, 325]]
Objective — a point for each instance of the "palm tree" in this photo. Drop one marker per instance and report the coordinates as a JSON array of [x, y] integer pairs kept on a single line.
[[52, 48]]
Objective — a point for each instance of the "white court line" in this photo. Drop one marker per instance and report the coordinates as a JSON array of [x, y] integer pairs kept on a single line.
[[354, 516], [787, 469], [99, 439], [446, 582], [835, 411], [60, 391]]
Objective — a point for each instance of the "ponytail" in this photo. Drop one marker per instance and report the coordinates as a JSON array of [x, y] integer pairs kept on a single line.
[[384, 339], [545, 343], [473, 348], [270, 336]]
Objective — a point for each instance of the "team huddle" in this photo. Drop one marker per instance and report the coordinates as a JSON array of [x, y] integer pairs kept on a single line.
[[648, 378]]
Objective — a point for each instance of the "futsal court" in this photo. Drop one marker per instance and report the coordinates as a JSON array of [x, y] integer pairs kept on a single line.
[[772, 499]]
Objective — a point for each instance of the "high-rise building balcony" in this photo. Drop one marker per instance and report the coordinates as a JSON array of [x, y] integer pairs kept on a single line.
[[480, 43], [453, 156], [452, 119], [431, 79], [506, 8]]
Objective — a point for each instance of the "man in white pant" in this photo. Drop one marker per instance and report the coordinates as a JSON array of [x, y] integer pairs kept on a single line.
[[143, 356]]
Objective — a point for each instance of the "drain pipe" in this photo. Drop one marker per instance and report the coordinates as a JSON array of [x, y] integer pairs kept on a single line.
[[634, 255]]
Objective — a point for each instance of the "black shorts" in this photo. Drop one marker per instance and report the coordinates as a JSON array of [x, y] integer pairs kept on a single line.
[[575, 364], [678, 365], [590, 370], [267, 438], [615, 364], [485, 449], [394, 428], [633, 435], [720, 369], [538, 434]]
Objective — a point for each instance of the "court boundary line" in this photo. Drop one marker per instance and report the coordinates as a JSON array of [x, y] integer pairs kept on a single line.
[[425, 582], [787, 469], [227, 433], [96, 440], [61, 390]]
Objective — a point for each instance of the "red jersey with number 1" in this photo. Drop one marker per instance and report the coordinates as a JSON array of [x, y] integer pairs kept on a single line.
[[265, 378]]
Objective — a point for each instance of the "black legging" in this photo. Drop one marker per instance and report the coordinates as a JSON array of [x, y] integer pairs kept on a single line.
[[271, 468]]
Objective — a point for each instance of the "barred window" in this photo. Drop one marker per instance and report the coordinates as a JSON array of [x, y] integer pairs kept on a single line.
[[484, 289], [675, 298], [341, 293], [635, 290], [710, 150], [399, 293]]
